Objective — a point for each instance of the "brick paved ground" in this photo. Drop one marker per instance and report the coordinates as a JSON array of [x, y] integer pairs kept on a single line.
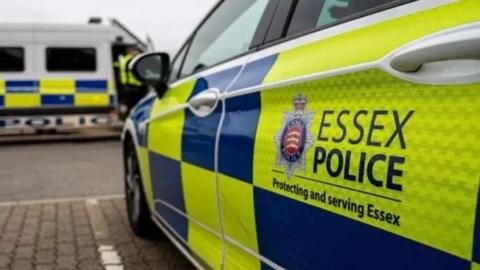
[[50, 170], [60, 236]]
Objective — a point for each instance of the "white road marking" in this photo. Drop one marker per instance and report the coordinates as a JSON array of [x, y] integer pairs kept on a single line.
[[60, 200], [111, 260]]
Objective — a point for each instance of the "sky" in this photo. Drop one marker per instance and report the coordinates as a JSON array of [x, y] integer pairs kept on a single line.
[[167, 22]]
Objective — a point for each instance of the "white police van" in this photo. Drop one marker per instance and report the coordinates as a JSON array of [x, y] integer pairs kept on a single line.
[[61, 77]]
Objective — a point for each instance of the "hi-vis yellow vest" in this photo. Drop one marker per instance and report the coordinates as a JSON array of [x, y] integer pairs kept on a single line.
[[126, 76]]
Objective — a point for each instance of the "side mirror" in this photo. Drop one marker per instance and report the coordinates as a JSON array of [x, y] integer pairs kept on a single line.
[[152, 69]]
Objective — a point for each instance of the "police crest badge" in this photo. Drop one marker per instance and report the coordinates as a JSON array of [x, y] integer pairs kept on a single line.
[[295, 138]]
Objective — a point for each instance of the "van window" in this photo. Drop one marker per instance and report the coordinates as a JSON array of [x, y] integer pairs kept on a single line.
[[227, 33], [71, 59], [312, 14], [12, 59]]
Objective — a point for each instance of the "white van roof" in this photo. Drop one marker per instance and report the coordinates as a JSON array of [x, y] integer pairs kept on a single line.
[[53, 27], [43, 31]]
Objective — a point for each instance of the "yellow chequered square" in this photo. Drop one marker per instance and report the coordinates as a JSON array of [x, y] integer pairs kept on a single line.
[[206, 244], [91, 100], [238, 211], [165, 132], [2, 86], [111, 87], [475, 266], [355, 47], [200, 195], [237, 258], [57, 86], [199, 189], [13, 101], [146, 176]]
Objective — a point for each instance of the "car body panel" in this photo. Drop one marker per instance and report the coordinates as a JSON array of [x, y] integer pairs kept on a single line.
[[438, 171], [185, 151], [263, 212]]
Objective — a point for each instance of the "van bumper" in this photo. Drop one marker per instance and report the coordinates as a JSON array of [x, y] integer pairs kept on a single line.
[[73, 124]]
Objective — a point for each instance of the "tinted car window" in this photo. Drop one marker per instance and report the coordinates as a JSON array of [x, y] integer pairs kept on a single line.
[[227, 33], [71, 59], [12, 59], [311, 14]]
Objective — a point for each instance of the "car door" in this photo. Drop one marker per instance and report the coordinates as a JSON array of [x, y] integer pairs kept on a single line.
[[181, 131], [349, 140]]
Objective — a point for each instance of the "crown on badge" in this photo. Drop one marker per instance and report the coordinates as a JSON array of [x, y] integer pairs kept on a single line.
[[299, 102]]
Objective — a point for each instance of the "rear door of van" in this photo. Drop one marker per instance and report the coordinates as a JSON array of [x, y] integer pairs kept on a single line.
[[358, 149], [17, 68]]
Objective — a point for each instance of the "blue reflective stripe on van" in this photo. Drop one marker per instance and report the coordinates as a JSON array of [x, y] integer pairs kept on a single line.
[[23, 86], [32, 86], [2, 101], [49, 100], [91, 86]]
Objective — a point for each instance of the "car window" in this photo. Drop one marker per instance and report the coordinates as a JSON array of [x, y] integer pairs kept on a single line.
[[71, 59], [227, 33], [276, 28], [177, 64], [312, 14], [12, 59]]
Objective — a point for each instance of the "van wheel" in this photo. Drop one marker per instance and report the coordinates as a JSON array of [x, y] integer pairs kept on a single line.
[[139, 216]]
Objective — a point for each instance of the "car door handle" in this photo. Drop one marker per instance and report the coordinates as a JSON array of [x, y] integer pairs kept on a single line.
[[451, 56], [204, 103]]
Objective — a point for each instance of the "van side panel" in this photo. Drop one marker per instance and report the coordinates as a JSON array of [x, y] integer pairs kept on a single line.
[[36, 93]]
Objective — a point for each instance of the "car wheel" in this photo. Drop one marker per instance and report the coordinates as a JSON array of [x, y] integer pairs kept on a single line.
[[139, 215]]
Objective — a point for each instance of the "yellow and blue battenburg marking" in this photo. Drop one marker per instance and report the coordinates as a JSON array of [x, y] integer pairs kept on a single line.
[[420, 212], [174, 173], [2, 93], [194, 156], [286, 241], [45, 93]]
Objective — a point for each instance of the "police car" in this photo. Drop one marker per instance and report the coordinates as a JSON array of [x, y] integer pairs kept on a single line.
[[314, 135]]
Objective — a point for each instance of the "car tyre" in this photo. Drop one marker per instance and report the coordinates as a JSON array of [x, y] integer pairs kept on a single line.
[[138, 212]]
